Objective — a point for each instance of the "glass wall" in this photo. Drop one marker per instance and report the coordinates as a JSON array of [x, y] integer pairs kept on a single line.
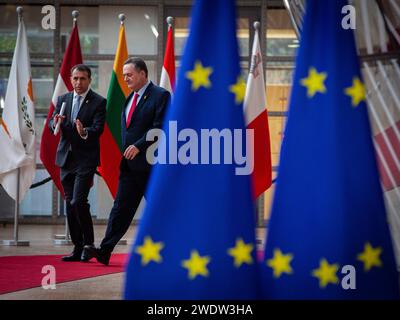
[[281, 44], [145, 34]]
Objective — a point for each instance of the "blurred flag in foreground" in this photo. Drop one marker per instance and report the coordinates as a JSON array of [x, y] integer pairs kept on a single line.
[[328, 236], [196, 238]]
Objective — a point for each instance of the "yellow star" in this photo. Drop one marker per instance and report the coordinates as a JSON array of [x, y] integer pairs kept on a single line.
[[239, 90], [199, 76], [196, 265], [150, 251], [326, 273], [356, 92], [241, 253], [280, 263], [314, 82], [370, 257]]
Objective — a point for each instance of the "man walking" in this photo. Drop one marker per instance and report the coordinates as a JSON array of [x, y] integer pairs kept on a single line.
[[78, 155], [143, 110]]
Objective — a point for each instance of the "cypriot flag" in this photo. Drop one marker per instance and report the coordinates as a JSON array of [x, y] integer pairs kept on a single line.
[[17, 133]]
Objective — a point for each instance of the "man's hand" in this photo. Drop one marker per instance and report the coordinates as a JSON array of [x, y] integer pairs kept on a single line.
[[131, 152], [56, 118], [79, 127]]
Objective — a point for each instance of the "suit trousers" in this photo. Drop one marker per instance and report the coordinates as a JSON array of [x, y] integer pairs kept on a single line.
[[131, 189], [77, 180]]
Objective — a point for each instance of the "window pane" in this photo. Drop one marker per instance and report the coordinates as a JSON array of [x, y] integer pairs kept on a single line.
[[42, 80], [7, 205], [4, 74], [88, 23], [243, 36], [281, 38], [37, 201], [141, 29], [39, 40], [181, 34], [276, 129], [244, 66], [279, 81]]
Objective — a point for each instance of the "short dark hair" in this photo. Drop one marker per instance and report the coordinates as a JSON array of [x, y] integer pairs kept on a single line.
[[138, 63], [83, 68]]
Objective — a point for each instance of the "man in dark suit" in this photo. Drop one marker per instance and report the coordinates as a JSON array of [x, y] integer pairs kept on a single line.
[[78, 155], [143, 110]]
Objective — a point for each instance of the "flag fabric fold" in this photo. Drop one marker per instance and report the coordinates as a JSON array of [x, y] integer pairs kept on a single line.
[[49, 142], [17, 123], [196, 237], [256, 116], [167, 80], [328, 236], [110, 140]]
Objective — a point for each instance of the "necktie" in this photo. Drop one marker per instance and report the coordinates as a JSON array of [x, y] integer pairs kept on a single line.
[[133, 106], [75, 108]]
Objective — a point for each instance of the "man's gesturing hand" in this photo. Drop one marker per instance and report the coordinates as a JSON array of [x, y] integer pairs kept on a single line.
[[79, 127]]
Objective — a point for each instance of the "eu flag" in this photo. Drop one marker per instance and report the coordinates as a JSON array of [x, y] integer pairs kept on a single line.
[[328, 236], [196, 238]]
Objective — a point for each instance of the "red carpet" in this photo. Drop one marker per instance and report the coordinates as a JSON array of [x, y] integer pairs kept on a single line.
[[24, 272]]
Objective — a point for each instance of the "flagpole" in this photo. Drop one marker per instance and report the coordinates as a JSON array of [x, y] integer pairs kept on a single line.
[[15, 241], [259, 202], [64, 239], [122, 17], [18, 242], [16, 209]]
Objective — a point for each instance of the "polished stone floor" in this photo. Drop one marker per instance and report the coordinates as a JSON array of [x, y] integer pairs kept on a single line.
[[108, 287], [41, 242]]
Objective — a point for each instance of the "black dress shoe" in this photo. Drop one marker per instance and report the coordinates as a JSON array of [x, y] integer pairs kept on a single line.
[[103, 256], [74, 256], [88, 253]]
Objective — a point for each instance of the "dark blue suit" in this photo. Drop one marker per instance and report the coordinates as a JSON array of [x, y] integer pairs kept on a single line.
[[78, 159], [134, 174]]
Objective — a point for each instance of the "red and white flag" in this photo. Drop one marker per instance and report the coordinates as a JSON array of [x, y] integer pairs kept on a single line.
[[167, 80], [49, 142], [256, 117]]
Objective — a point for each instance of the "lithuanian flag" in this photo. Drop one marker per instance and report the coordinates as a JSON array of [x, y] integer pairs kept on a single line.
[[110, 140]]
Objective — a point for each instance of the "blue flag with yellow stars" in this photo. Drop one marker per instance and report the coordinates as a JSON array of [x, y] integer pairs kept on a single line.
[[328, 236], [196, 237]]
